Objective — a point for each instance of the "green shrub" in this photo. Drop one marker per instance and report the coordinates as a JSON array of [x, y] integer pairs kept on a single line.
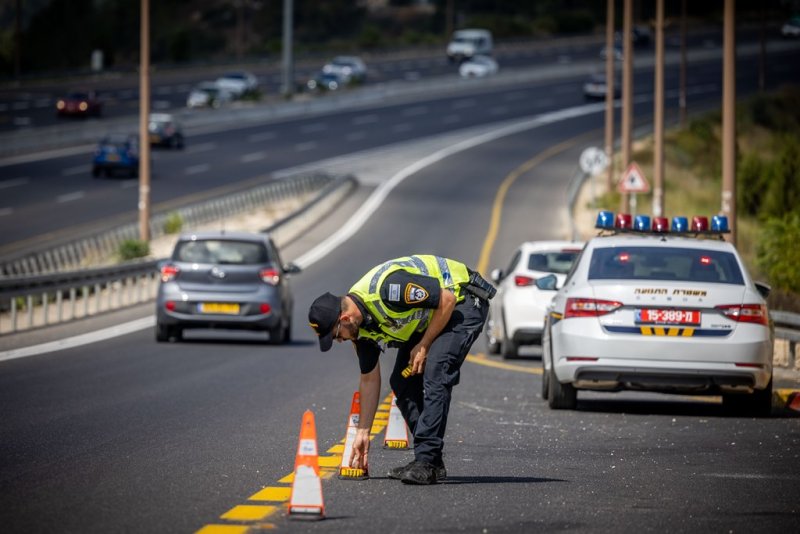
[[751, 181], [778, 253], [174, 223], [130, 249], [782, 193]]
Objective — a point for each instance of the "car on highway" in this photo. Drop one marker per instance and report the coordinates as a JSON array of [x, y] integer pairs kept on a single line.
[[208, 95], [659, 308], [517, 312], [326, 81], [79, 104], [165, 130], [115, 154], [791, 28], [225, 280], [478, 67], [595, 87], [350, 69], [238, 84], [468, 43]]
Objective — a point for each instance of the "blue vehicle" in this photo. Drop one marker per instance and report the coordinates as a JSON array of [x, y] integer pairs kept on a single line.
[[117, 153]]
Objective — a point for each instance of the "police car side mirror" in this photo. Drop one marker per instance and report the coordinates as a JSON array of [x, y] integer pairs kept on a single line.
[[763, 289], [496, 275], [547, 283]]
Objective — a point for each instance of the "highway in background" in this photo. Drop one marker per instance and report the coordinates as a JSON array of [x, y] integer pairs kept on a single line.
[[127, 435], [57, 198]]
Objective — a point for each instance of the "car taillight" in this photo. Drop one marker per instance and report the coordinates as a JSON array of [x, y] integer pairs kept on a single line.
[[265, 308], [170, 305], [522, 281], [60, 104], [169, 272], [589, 307], [83, 106], [270, 276], [746, 313]]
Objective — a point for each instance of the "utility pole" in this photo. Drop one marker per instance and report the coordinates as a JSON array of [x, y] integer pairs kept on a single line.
[[627, 89], [658, 115], [288, 64], [144, 115], [448, 18], [610, 88], [729, 118]]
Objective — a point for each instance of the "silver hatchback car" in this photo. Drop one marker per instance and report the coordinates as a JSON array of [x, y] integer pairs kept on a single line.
[[229, 280]]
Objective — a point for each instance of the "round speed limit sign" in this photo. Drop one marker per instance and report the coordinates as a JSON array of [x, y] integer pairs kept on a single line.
[[593, 160]]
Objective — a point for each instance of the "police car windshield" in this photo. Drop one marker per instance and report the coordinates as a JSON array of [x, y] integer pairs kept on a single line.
[[665, 263]]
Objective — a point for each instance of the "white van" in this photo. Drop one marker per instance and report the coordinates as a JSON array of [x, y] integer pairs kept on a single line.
[[468, 43]]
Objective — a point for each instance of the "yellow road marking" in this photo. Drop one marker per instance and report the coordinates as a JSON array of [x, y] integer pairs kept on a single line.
[[499, 199], [249, 512], [329, 466], [481, 359], [273, 494], [223, 529]]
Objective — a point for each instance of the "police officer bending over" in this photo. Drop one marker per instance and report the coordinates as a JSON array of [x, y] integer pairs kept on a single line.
[[431, 309]]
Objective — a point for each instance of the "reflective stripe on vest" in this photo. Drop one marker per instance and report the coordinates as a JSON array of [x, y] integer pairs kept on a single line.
[[400, 326]]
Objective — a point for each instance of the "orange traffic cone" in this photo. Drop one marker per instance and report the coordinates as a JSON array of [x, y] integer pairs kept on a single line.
[[306, 500], [396, 436], [345, 471]]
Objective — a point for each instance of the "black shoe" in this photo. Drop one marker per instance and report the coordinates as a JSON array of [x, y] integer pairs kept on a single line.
[[420, 473], [398, 472]]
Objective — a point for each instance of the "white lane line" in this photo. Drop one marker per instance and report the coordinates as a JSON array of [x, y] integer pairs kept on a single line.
[[353, 224], [364, 119], [255, 156], [355, 136], [69, 197], [14, 182], [202, 147], [259, 137], [71, 171], [6, 211], [83, 339], [197, 169], [302, 147]]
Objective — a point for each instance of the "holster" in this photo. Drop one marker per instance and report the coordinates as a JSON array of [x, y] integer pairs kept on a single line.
[[479, 287]]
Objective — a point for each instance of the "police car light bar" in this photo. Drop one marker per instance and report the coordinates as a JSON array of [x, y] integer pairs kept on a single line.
[[624, 222]]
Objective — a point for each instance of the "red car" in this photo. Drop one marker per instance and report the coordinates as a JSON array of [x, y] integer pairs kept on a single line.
[[80, 105]]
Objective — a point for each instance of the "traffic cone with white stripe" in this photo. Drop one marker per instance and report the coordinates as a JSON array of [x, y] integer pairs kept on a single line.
[[345, 471], [396, 436], [306, 500]]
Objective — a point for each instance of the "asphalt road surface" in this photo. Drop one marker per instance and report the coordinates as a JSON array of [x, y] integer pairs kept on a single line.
[[127, 435]]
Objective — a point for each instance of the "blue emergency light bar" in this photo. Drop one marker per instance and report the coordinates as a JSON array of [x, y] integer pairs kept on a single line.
[[623, 222]]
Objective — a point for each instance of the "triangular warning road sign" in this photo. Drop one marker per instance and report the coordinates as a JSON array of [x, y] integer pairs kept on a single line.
[[633, 181]]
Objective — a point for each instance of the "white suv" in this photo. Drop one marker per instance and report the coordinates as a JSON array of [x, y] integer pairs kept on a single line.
[[664, 311]]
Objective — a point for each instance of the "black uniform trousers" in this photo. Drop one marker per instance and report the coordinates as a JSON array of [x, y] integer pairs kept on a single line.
[[424, 400]]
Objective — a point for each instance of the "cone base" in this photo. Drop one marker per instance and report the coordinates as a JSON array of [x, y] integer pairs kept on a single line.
[[395, 444], [304, 513]]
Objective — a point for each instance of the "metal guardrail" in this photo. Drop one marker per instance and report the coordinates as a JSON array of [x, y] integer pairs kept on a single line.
[[81, 252], [34, 301]]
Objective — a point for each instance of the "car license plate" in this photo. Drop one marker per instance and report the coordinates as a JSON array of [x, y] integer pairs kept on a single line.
[[218, 307], [655, 316]]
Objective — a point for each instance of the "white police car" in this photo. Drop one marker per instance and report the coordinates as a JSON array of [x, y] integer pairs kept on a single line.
[[654, 308]]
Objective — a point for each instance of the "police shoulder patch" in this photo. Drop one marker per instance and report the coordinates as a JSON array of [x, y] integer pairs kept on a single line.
[[415, 294]]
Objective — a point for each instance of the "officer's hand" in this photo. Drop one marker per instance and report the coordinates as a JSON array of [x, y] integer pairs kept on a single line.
[[418, 356], [360, 453]]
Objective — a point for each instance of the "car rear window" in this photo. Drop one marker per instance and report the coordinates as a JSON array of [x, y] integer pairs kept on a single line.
[[665, 263], [553, 262], [219, 251]]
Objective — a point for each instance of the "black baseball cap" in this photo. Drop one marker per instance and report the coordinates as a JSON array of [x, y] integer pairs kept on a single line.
[[322, 317]]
